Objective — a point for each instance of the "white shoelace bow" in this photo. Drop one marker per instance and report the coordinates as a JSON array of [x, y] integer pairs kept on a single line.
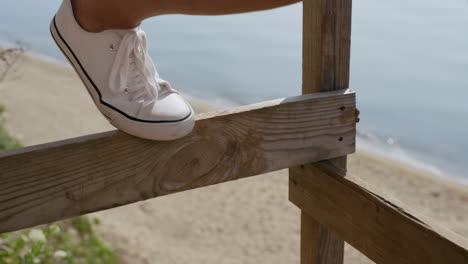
[[133, 71]]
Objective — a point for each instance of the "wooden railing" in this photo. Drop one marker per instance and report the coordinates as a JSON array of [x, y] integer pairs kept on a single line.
[[54, 181]]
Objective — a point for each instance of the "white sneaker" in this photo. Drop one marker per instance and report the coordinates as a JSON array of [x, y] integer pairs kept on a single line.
[[122, 80]]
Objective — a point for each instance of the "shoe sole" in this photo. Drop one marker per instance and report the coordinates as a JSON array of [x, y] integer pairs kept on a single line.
[[149, 129]]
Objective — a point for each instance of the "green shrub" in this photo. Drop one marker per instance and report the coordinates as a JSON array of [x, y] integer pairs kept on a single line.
[[70, 241], [6, 141]]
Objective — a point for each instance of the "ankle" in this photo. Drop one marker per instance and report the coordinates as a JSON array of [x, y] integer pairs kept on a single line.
[[89, 17], [84, 17]]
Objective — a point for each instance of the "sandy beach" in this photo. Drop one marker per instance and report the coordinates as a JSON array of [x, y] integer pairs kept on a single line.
[[245, 221]]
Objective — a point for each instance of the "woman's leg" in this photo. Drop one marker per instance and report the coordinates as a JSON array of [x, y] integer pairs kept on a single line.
[[98, 15]]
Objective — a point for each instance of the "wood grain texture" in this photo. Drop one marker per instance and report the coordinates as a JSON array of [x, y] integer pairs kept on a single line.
[[45, 183], [384, 232], [326, 45], [318, 244], [326, 58]]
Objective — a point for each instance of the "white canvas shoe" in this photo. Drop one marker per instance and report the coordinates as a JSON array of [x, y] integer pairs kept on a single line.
[[122, 80]]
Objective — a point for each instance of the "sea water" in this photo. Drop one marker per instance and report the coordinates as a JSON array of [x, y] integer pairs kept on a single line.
[[409, 67]]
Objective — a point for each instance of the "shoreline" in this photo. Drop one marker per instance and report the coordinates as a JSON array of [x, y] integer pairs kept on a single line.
[[415, 171], [410, 161], [364, 145], [368, 150]]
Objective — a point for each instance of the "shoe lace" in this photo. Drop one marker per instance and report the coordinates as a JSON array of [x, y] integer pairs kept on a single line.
[[133, 71]]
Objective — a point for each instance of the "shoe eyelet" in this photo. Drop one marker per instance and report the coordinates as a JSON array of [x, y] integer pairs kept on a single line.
[[112, 48], [126, 91]]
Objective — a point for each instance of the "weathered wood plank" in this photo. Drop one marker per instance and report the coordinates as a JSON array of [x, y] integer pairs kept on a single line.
[[326, 45], [318, 243], [54, 181], [326, 57], [384, 232]]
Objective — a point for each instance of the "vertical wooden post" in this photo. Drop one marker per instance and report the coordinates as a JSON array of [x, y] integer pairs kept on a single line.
[[326, 56]]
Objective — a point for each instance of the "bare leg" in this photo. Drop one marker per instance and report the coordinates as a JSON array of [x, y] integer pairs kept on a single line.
[[98, 15]]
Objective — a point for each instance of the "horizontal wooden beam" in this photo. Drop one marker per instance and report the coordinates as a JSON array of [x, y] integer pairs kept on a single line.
[[45, 183], [382, 231]]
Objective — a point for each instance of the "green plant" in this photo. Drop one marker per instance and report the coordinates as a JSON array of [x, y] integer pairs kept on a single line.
[[70, 241], [6, 141]]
